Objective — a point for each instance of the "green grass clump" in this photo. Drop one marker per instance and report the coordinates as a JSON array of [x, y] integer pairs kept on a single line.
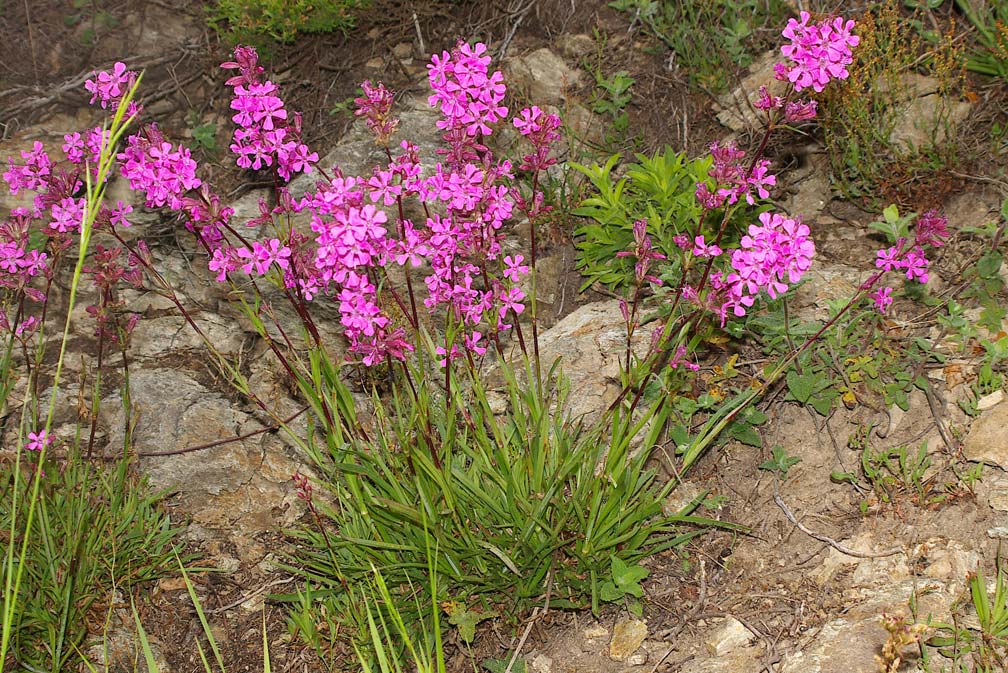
[[95, 528], [517, 506], [260, 21]]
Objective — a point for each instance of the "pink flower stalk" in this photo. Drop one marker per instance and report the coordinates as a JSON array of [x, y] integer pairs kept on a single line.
[[376, 106], [817, 53], [542, 130], [680, 359], [267, 135], [644, 252], [735, 177], [931, 229]]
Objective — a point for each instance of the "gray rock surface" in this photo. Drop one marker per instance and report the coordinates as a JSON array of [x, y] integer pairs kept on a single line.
[[591, 343], [541, 76], [987, 440]]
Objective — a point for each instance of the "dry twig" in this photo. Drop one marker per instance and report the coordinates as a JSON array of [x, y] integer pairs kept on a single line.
[[828, 540]]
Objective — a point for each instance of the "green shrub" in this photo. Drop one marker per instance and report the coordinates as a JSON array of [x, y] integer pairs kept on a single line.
[[660, 189]]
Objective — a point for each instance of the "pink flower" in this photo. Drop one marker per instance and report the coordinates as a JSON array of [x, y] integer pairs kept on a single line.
[[73, 147], [38, 440], [514, 270], [119, 213], [702, 249], [799, 111], [916, 265], [889, 258], [511, 301], [67, 215], [882, 298]]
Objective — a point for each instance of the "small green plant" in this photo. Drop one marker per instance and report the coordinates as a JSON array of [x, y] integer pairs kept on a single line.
[[780, 463], [897, 474], [612, 97], [625, 584], [260, 21], [989, 20], [91, 522], [871, 161], [204, 134], [92, 21]]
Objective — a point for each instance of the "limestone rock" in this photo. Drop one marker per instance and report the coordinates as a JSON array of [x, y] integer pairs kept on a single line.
[[628, 635], [849, 644], [241, 486], [987, 440], [356, 153], [731, 636], [590, 343], [576, 46], [736, 110], [542, 75], [925, 116], [823, 283]]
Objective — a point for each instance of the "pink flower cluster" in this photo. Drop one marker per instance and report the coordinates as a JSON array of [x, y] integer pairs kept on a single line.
[[774, 253], [155, 167], [931, 230], [818, 53], [467, 96], [266, 135], [466, 201], [20, 264], [33, 175]]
